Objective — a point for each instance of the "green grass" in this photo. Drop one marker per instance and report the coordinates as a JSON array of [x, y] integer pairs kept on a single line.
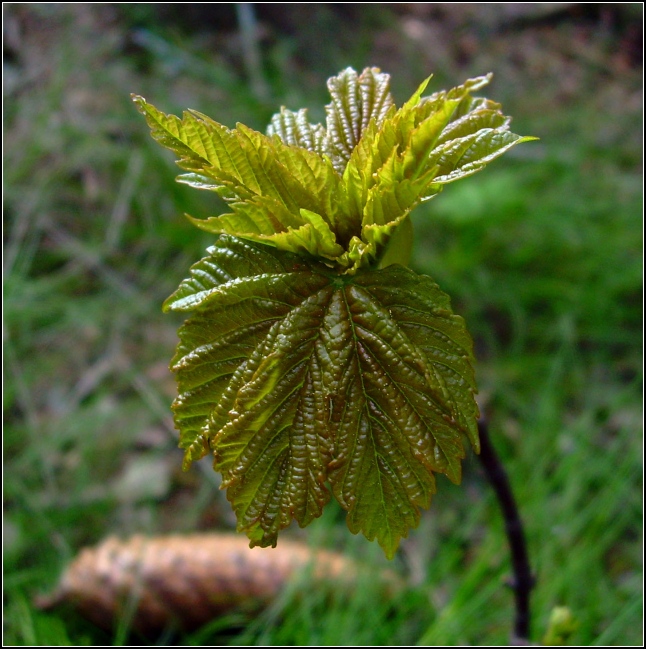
[[541, 254]]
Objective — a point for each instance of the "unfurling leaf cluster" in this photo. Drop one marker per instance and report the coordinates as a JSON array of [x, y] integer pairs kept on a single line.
[[336, 193], [314, 365]]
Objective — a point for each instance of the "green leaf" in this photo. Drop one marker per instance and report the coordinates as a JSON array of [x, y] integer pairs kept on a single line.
[[189, 138], [314, 365], [341, 192], [295, 129], [400, 245], [357, 100], [307, 383], [466, 155], [283, 195]]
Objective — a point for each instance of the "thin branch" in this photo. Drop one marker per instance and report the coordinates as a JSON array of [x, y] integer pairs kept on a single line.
[[523, 580]]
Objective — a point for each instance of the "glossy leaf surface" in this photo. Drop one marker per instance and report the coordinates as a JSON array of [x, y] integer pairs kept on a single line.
[[313, 364], [306, 384]]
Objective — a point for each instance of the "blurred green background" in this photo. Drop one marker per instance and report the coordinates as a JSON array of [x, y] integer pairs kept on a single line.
[[541, 253]]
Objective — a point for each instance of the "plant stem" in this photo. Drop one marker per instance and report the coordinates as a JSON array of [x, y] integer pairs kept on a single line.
[[523, 580]]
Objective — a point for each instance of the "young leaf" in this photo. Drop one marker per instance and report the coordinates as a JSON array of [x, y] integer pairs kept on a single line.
[[298, 379], [282, 195], [294, 129], [337, 193], [356, 101], [313, 365]]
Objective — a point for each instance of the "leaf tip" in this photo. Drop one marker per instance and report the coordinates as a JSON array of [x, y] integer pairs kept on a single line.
[[167, 305], [390, 549], [138, 100]]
